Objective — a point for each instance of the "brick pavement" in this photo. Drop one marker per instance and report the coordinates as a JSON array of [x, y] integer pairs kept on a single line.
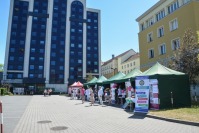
[[62, 112]]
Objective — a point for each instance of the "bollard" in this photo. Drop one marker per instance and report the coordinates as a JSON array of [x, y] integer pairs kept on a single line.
[[1, 111]]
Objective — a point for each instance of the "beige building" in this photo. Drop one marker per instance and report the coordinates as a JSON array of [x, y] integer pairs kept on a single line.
[[123, 63], [131, 63], [162, 28]]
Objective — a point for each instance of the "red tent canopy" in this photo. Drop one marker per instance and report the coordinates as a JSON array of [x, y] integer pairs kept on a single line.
[[74, 84], [77, 84]]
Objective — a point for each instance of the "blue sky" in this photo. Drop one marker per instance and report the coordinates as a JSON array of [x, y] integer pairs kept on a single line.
[[119, 30]]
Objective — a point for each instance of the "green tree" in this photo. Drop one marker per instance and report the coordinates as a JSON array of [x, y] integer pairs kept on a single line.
[[1, 67], [89, 78], [186, 58]]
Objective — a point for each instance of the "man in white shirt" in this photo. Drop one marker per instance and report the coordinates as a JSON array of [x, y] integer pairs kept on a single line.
[[100, 94]]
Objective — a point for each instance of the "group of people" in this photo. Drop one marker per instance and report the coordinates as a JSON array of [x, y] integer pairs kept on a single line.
[[101, 95], [47, 92]]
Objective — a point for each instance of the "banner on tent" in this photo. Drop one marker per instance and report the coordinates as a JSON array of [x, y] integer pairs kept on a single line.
[[153, 93], [142, 94]]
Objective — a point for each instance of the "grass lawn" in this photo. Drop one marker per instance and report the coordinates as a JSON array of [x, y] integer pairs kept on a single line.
[[187, 114]]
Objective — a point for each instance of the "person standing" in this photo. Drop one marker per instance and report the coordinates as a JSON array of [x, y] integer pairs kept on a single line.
[[92, 99], [50, 91], [82, 91], [100, 94], [45, 92]]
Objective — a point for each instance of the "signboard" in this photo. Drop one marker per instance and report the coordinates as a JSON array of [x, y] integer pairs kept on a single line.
[[142, 94], [154, 92]]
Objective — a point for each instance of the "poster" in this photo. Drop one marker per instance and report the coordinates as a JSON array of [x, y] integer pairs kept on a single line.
[[129, 89], [113, 87], [154, 92], [142, 94]]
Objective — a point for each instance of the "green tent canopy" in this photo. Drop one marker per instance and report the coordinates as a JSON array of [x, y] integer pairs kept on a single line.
[[171, 83], [91, 81], [161, 70], [99, 80], [113, 78], [135, 72]]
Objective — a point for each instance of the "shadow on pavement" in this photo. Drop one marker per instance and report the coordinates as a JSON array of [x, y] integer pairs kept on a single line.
[[78, 103], [138, 116]]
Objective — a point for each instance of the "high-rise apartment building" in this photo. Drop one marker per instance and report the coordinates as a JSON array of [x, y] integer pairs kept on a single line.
[[51, 43], [162, 28]]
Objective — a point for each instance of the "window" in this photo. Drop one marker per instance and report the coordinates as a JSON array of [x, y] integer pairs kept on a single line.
[[52, 63], [31, 75], [185, 1], [72, 45], [162, 49], [40, 67], [175, 44], [41, 50], [19, 76], [151, 53], [12, 49], [61, 76], [173, 7], [22, 42], [160, 31], [88, 27], [150, 37], [53, 54], [41, 58], [160, 15], [88, 20], [79, 61], [61, 68], [149, 22], [173, 24], [79, 45], [32, 58], [32, 50], [95, 63], [142, 27], [72, 68], [11, 58], [32, 67], [20, 67], [72, 30], [40, 75]]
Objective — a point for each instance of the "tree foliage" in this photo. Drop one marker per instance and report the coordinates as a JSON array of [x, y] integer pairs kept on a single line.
[[1, 67], [89, 77], [186, 58]]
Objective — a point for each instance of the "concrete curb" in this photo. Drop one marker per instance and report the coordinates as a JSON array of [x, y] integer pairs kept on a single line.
[[174, 120]]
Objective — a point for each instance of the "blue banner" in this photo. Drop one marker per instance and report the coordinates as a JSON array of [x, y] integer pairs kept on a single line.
[[142, 94]]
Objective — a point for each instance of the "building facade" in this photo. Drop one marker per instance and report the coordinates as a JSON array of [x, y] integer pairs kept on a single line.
[[131, 63], [162, 28], [116, 64], [52, 43]]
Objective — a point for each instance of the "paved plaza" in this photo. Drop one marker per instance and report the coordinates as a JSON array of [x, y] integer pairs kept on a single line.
[[59, 114]]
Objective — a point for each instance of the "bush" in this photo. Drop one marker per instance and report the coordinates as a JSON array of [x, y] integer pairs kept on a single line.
[[3, 91]]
